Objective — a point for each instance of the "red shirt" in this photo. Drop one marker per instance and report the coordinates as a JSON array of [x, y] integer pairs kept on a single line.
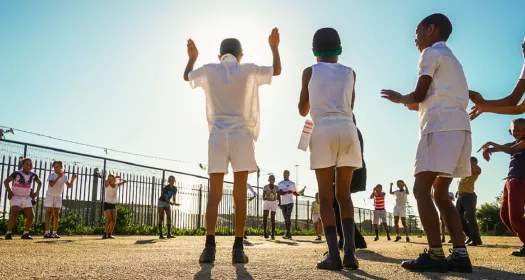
[[379, 202]]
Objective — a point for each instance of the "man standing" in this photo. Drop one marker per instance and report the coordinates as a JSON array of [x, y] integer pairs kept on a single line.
[[287, 190], [466, 204]]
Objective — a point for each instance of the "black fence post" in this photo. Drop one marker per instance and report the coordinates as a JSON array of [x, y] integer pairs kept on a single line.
[[199, 211], [96, 175], [257, 199], [308, 215], [150, 220]]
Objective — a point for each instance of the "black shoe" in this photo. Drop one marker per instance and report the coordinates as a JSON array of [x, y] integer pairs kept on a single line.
[[171, 236], [350, 261], [407, 239], [272, 237], [110, 236], [476, 243], [55, 235], [519, 253], [8, 236], [318, 238], [360, 244], [388, 237], [376, 238], [397, 238], [245, 236], [266, 235], [105, 236], [48, 235], [162, 236], [456, 263], [330, 263], [26, 236], [424, 263], [468, 240], [207, 255], [238, 256]]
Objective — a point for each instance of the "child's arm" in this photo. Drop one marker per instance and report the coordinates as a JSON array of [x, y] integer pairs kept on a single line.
[[488, 150], [476, 169], [511, 100], [39, 186], [8, 181], [70, 184], [193, 53], [304, 101], [391, 192], [52, 183], [373, 193], [406, 188], [274, 40], [353, 90], [122, 182], [503, 110]]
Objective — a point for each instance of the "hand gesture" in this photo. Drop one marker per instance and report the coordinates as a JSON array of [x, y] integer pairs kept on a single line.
[[193, 53], [487, 150], [475, 111], [35, 194], [391, 95], [10, 194], [59, 175], [274, 38], [391, 184], [74, 176], [475, 97]]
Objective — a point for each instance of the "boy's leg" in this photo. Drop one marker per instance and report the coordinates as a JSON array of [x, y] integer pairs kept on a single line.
[[56, 212], [338, 225], [113, 221], [472, 230], [504, 209], [461, 208], [161, 221], [376, 227], [168, 220], [28, 212], [343, 181], [13, 214], [214, 198], [49, 211], [396, 223], [516, 206], [404, 222], [272, 219], [265, 219], [107, 214]]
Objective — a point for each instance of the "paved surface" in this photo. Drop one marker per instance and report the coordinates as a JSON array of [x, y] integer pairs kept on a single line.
[[145, 257]]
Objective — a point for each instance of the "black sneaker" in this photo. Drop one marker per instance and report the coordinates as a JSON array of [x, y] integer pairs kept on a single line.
[[8, 236], [376, 238], [397, 238], [350, 261], [105, 236], [424, 263], [272, 237], [207, 255], [48, 235], [388, 237], [519, 253], [318, 238], [55, 235], [407, 239], [110, 236], [238, 256], [171, 236], [266, 235], [162, 236], [245, 236], [456, 263], [27, 236], [468, 240], [330, 263]]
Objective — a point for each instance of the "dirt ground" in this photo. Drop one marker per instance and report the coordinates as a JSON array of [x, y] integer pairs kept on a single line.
[[146, 257]]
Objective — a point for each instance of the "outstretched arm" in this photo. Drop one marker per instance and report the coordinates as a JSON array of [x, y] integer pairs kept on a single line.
[[304, 101], [406, 188], [417, 96], [193, 53], [274, 40], [353, 90], [509, 102], [391, 192]]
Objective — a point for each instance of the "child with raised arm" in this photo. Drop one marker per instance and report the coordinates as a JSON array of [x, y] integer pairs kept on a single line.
[[328, 94], [53, 200], [378, 195], [443, 153], [513, 199], [232, 109], [110, 204], [20, 197], [400, 209]]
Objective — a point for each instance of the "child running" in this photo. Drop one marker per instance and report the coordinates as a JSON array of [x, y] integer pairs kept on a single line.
[[379, 211], [232, 109], [169, 192], [110, 204], [513, 199], [20, 197], [443, 153], [270, 203], [316, 217], [400, 210], [328, 94], [53, 200]]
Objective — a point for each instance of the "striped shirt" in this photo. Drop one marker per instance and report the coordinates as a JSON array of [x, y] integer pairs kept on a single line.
[[379, 202]]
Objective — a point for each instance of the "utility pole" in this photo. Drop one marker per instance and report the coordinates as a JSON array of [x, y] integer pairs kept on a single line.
[[296, 198]]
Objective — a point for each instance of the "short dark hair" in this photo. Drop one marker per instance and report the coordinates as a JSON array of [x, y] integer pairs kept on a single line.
[[379, 185], [441, 22], [58, 161], [518, 121], [231, 46], [26, 159], [474, 159], [171, 176]]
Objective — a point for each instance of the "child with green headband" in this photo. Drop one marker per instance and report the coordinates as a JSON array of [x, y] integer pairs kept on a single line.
[[328, 93]]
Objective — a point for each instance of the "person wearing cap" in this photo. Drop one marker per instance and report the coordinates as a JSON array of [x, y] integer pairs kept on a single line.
[[328, 94], [232, 111], [505, 106]]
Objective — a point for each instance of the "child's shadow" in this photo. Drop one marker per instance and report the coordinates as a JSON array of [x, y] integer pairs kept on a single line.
[[242, 273], [375, 257], [205, 272], [290, 243], [55, 241], [149, 241]]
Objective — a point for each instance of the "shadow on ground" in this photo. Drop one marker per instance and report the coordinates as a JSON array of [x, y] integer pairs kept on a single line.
[[290, 243], [241, 272], [55, 241], [205, 272], [148, 241]]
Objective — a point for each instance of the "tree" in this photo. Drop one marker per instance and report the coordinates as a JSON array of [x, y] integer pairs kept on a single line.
[[489, 219]]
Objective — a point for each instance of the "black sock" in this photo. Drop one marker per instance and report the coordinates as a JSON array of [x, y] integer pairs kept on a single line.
[[288, 225], [160, 229], [330, 234], [169, 229], [238, 243], [273, 228], [210, 240], [377, 232], [264, 226], [349, 234]]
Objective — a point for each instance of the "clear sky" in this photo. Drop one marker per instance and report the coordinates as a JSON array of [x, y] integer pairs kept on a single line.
[[109, 73]]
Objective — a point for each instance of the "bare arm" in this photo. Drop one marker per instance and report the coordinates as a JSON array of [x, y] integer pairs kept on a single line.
[[304, 101], [417, 96], [193, 53], [353, 91], [70, 184], [8, 181], [52, 183], [391, 192], [38, 187], [511, 100], [476, 169], [406, 189], [274, 40]]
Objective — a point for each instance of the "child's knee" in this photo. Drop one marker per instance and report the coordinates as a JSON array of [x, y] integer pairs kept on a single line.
[[343, 197], [326, 200]]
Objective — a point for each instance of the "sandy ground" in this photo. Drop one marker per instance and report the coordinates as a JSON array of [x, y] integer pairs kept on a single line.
[[146, 257]]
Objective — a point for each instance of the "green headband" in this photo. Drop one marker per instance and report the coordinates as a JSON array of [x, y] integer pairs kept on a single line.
[[330, 53]]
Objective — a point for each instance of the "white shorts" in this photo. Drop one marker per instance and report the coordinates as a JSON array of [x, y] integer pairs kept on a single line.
[[270, 205], [316, 218], [22, 202], [379, 214], [445, 152], [53, 201], [400, 211], [237, 148], [334, 142]]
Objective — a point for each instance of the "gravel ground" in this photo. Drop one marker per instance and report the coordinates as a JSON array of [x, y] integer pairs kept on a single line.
[[145, 257]]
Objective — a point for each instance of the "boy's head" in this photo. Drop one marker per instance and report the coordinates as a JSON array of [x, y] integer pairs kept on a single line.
[[286, 175], [271, 179], [378, 188], [400, 184], [473, 161], [111, 179], [231, 46], [326, 45], [523, 47], [517, 129], [58, 166], [432, 29], [171, 180], [316, 196], [27, 165]]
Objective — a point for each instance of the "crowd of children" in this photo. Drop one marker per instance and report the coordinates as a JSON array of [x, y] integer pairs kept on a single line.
[[328, 93]]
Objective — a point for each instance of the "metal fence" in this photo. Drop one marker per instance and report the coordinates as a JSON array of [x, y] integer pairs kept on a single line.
[[141, 193]]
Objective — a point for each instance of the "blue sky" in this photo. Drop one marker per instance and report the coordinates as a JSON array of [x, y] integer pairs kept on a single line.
[[109, 73]]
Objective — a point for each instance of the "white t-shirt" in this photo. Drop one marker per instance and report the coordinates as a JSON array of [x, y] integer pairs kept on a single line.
[[330, 90], [232, 94], [445, 106], [522, 76], [111, 194], [287, 186], [58, 188], [401, 198]]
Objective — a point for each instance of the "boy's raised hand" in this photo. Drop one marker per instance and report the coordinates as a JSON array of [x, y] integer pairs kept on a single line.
[[193, 53], [274, 38], [391, 95]]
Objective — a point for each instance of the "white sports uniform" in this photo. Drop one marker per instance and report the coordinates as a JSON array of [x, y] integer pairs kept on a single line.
[[400, 209], [271, 203], [22, 188], [54, 194], [232, 110]]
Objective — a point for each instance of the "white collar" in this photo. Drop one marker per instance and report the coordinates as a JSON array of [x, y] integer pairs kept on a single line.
[[439, 43], [228, 57]]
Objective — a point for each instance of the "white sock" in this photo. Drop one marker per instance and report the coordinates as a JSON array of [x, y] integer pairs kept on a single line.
[[26, 232], [461, 251], [54, 232], [9, 232], [47, 232]]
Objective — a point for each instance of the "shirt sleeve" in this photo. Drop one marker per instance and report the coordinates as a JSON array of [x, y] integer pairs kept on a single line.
[[428, 62], [522, 76], [52, 177], [35, 177], [263, 74], [196, 77], [13, 175]]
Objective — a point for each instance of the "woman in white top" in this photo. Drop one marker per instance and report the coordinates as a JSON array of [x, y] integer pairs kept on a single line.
[[110, 204], [53, 200]]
